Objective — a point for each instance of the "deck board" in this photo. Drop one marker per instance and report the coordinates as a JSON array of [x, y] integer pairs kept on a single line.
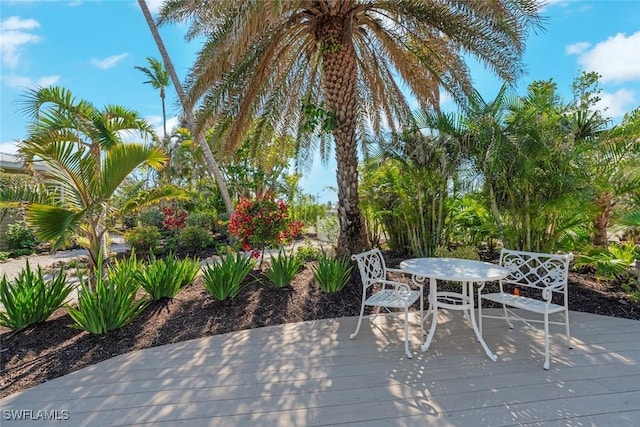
[[311, 374]]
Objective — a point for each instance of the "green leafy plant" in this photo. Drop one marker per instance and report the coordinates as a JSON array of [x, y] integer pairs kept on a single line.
[[224, 279], [307, 252], [283, 268], [144, 238], [4, 255], [163, 278], [30, 298], [332, 274], [611, 262], [194, 238], [151, 216], [125, 269], [462, 252], [19, 238], [205, 220], [109, 304]]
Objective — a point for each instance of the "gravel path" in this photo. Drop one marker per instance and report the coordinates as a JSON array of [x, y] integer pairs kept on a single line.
[[12, 267]]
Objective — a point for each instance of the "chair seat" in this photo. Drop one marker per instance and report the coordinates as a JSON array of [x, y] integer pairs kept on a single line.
[[392, 298], [517, 301]]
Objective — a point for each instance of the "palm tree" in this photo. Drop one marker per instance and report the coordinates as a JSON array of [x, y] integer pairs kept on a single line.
[[88, 161], [213, 167], [158, 79], [342, 60]]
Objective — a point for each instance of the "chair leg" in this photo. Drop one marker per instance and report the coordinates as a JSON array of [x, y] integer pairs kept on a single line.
[[406, 333], [566, 320], [353, 335], [506, 316], [546, 340]]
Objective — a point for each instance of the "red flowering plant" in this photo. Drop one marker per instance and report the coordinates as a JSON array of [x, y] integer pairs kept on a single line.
[[174, 220], [262, 222]]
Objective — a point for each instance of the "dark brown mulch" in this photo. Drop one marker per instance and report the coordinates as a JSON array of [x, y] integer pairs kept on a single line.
[[52, 349]]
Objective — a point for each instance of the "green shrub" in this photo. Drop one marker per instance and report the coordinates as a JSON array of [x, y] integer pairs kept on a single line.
[[332, 274], [307, 252], [109, 305], [4, 255], [283, 268], [144, 238], [224, 278], [30, 298], [194, 238], [20, 238], [611, 262], [151, 217], [462, 252], [163, 278], [206, 220]]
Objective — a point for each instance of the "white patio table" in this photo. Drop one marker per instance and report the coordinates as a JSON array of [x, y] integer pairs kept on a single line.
[[465, 271]]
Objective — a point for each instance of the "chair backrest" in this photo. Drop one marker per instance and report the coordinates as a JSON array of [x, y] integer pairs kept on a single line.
[[536, 270], [371, 265]]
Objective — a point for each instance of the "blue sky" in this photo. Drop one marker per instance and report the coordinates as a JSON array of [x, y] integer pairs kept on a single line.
[[91, 47]]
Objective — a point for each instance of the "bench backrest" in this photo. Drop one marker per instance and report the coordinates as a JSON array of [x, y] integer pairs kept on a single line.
[[547, 272]]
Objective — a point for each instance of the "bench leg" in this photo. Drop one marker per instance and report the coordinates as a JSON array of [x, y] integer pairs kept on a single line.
[[546, 340], [506, 316], [406, 333]]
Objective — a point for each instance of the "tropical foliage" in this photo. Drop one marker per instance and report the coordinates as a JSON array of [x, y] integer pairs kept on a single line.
[[340, 64], [87, 162], [31, 298], [224, 279]]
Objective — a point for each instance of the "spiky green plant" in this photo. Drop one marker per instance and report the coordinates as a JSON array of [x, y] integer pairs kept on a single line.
[[163, 278], [224, 279], [332, 274], [110, 304], [30, 299], [283, 268]]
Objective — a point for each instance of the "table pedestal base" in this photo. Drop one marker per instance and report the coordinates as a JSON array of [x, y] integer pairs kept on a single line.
[[453, 301]]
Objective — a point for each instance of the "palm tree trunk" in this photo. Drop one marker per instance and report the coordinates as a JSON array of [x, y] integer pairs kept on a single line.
[[605, 203], [339, 85], [212, 165]]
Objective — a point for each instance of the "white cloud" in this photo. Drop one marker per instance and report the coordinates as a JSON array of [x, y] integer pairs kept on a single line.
[[27, 82], [154, 5], [14, 33], [617, 59], [8, 147], [16, 23], [108, 62], [616, 104], [576, 48]]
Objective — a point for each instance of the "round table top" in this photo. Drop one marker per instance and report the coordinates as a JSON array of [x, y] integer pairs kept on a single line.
[[454, 269]]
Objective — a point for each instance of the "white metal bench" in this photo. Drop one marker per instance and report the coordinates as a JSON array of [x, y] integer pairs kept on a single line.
[[538, 284], [391, 294]]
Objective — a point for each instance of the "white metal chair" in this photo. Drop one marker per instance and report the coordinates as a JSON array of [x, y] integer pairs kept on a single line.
[[391, 294], [541, 276]]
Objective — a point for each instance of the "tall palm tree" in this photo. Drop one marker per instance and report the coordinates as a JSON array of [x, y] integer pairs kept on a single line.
[[212, 165], [158, 79], [348, 60]]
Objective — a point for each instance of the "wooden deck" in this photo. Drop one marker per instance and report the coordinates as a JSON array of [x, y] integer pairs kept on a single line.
[[311, 374]]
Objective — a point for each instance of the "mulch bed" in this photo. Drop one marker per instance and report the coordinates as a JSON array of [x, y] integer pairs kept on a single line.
[[52, 349]]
